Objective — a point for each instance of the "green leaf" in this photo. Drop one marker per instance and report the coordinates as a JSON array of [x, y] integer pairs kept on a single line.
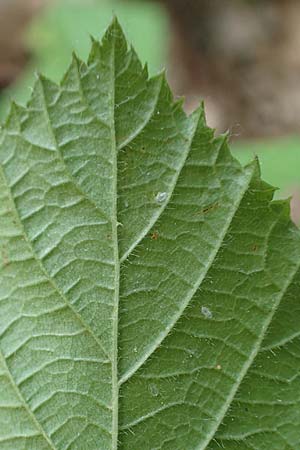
[[148, 282]]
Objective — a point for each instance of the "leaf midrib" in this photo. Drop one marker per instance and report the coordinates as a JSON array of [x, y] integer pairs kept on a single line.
[[114, 223], [115, 317]]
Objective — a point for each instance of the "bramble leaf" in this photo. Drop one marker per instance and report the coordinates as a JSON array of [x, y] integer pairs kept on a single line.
[[148, 282]]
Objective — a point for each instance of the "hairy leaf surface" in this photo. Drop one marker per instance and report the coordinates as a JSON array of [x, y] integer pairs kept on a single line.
[[149, 284]]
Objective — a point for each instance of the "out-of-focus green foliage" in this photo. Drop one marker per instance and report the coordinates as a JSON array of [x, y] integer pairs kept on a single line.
[[279, 159], [66, 26]]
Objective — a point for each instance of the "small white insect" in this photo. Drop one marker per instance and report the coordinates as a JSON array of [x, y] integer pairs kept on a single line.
[[206, 312], [161, 197], [154, 391]]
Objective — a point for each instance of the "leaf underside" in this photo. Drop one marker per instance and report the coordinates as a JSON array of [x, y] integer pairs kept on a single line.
[[149, 285]]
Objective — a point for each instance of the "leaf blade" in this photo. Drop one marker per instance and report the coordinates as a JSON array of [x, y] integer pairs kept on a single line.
[[134, 326]]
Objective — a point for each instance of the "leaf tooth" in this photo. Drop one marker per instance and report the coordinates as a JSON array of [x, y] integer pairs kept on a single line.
[[95, 52], [113, 37], [12, 123], [73, 73]]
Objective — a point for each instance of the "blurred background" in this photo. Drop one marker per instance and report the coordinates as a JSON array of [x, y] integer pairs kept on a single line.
[[241, 56]]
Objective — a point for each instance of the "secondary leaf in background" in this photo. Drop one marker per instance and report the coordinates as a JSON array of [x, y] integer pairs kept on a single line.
[[141, 269]]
